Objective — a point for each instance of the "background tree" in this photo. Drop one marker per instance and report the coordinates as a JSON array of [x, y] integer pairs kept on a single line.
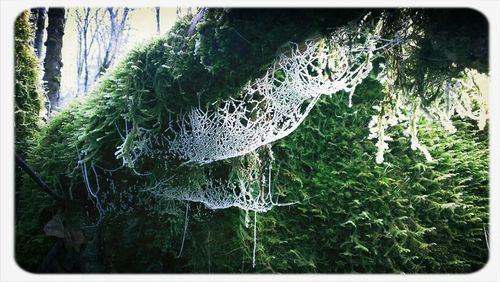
[[102, 33], [86, 38], [111, 38], [39, 15], [157, 14], [28, 93], [28, 90], [53, 57]]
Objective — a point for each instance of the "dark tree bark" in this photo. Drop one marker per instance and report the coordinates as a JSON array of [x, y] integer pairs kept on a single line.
[[38, 180], [53, 57], [39, 16], [196, 19], [157, 12]]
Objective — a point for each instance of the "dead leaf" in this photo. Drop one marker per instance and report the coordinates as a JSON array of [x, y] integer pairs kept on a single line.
[[74, 238], [72, 235], [55, 227]]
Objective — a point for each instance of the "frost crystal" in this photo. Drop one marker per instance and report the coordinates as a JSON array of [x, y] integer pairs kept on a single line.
[[248, 187], [273, 106]]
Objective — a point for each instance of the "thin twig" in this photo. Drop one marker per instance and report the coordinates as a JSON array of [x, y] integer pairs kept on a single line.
[[24, 166], [185, 229]]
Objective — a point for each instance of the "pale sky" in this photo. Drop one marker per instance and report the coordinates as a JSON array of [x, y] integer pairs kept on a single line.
[[143, 24]]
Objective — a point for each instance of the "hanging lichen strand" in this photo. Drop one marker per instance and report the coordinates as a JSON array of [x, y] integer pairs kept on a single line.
[[445, 98], [273, 106]]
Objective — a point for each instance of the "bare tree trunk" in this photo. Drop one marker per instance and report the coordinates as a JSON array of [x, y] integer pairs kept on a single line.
[[101, 34], [85, 63], [53, 57], [81, 18], [111, 39], [90, 23], [39, 14], [86, 52], [157, 11]]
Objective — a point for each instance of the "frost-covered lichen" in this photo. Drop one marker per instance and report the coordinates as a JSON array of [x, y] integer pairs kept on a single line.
[[453, 96], [273, 106]]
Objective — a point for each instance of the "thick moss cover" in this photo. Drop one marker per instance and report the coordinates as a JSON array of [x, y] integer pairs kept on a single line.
[[406, 215], [28, 91], [171, 73], [28, 104]]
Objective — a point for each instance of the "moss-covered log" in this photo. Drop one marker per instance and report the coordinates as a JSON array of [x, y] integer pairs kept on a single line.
[[353, 216], [404, 216]]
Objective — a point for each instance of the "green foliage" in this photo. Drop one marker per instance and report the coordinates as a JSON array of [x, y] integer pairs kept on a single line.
[[157, 79], [439, 53], [169, 74]]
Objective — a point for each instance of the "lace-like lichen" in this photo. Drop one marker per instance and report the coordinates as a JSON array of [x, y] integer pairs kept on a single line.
[[273, 106], [267, 109], [247, 187]]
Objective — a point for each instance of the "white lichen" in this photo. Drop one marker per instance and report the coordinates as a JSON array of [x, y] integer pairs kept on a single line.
[[273, 106]]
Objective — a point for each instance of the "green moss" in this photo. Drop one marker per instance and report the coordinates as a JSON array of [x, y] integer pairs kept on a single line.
[[30, 204], [166, 75], [28, 91], [405, 215]]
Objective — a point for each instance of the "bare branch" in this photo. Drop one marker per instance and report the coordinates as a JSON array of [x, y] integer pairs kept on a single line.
[[38, 180]]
